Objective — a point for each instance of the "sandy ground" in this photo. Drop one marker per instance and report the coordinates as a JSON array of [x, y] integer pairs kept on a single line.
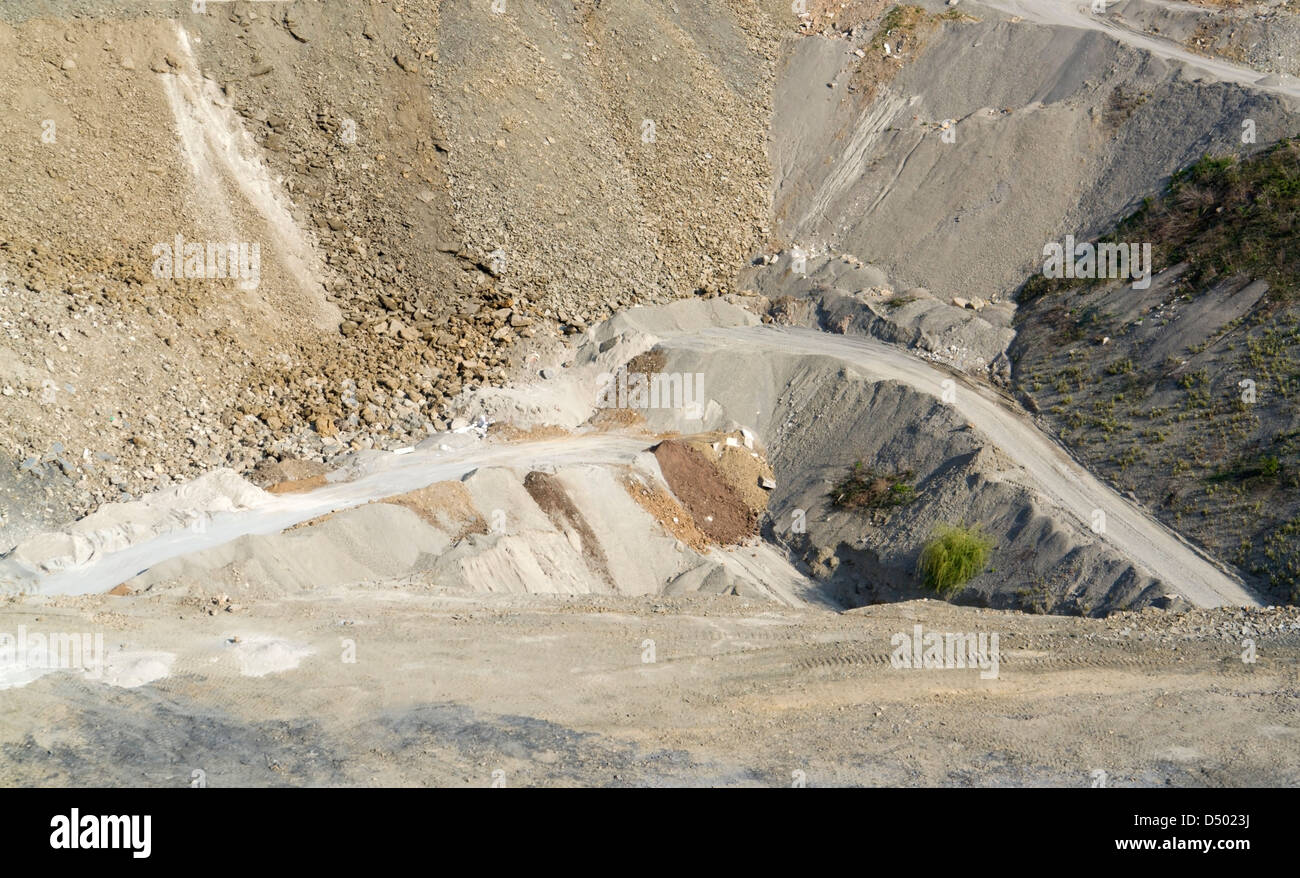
[[404, 686]]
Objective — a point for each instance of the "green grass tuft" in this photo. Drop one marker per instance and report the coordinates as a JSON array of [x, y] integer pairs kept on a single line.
[[952, 557]]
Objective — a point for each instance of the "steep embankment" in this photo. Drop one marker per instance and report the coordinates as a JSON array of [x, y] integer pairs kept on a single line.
[[1183, 393], [990, 137]]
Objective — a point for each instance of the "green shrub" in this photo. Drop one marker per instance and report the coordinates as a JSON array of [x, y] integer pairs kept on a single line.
[[865, 488], [952, 557], [1263, 469]]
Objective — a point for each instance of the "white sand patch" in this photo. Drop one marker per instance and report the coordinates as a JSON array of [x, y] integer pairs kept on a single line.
[[129, 669], [125, 669], [18, 676], [259, 654]]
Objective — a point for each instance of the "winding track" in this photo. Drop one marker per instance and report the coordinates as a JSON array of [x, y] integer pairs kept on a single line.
[[1078, 14], [1057, 477], [1061, 479], [392, 476]]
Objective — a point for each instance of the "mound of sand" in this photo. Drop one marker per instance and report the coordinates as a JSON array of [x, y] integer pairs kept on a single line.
[[117, 526]]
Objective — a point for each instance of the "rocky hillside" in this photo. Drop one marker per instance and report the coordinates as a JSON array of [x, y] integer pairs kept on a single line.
[[436, 193]]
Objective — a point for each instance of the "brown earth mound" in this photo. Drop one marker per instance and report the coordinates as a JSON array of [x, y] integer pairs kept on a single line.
[[275, 475], [712, 488], [297, 486]]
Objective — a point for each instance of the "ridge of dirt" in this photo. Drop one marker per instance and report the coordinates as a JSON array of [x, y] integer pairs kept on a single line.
[[445, 505], [667, 511], [549, 493]]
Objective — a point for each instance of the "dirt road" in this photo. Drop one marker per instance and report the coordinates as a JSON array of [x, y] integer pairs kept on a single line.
[[1048, 468], [1075, 13], [388, 475]]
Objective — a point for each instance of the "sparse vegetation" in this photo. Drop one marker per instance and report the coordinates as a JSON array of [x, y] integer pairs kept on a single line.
[[866, 488], [1223, 216], [952, 557], [1218, 412], [1266, 468], [1122, 104], [898, 25], [899, 301], [1259, 198], [904, 29]]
